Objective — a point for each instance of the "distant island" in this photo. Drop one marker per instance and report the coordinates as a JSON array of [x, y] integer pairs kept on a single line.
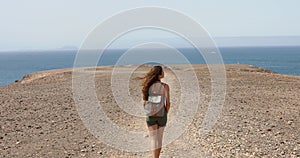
[[68, 48]]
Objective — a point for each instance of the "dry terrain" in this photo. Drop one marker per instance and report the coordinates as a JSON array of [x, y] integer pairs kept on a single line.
[[260, 117]]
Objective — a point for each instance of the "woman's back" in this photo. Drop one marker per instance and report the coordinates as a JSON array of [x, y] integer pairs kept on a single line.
[[157, 88], [156, 100]]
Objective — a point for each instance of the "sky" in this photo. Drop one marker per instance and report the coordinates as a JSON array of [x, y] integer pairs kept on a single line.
[[51, 24]]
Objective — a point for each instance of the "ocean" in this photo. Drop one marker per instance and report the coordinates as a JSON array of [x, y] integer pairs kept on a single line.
[[14, 65]]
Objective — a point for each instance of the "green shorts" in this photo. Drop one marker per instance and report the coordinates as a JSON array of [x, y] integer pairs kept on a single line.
[[156, 120]]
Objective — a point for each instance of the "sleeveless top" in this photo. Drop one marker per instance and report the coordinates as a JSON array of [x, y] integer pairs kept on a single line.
[[158, 89]]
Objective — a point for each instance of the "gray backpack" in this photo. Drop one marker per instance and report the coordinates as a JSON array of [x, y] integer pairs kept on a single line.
[[155, 106]]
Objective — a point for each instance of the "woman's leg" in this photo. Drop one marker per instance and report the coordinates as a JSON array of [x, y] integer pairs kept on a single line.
[[160, 132], [153, 140]]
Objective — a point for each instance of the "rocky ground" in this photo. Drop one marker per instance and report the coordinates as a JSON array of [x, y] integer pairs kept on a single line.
[[260, 117]]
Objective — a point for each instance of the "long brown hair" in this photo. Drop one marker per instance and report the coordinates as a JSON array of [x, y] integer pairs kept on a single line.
[[149, 79]]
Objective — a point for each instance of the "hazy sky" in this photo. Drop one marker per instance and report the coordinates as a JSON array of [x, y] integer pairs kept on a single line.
[[48, 24]]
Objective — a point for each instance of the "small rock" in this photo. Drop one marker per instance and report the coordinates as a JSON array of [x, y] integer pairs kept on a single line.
[[83, 155], [279, 133], [85, 146]]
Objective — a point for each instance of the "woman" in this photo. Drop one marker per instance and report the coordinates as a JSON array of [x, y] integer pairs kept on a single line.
[[156, 123]]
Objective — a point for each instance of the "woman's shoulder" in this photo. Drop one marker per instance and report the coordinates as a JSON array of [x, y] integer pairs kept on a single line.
[[165, 84]]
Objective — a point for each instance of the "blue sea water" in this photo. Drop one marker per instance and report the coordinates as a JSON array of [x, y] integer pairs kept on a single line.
[[14, 65]]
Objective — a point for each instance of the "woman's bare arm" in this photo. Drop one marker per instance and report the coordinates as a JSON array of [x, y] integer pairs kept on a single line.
[[168, 104]]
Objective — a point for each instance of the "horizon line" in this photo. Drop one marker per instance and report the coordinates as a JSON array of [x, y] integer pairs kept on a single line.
[[214, 37]]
